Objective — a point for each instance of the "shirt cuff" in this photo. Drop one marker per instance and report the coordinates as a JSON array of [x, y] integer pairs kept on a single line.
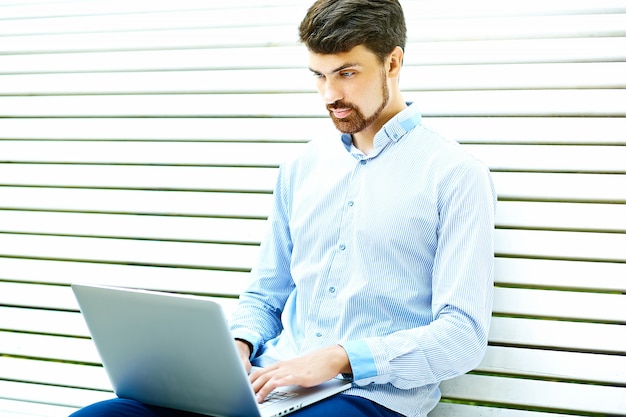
[[361, 360], [250, 337]]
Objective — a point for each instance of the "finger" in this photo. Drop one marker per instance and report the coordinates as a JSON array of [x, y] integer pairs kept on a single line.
[[258, 373], [258, 379], [270, 385]]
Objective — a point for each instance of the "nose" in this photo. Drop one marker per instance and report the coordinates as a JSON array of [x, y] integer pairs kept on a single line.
[[329, 91]]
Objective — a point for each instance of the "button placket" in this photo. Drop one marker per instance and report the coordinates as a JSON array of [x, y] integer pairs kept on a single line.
[[328, 293]]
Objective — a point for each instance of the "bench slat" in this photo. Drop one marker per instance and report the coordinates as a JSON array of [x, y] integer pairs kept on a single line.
[[500, 103], [201, 281], [179, 129], [561, 245], [47, 347], [53, 373], [558, 334], [43, 320], [511, 76], [194, 59], [34, 320], [62, 297], [132, 19], [505, 51], [592, 368], [560, 158], [197, 229], [445, 409], [52, 395], [540, 395], [516, 27], [161, 253], [159, 153], [594, 276], [609, 188], [153, 39], [34, 8], [560, 304], [564, 216], [531, 130], [183, 203], [141, 177]]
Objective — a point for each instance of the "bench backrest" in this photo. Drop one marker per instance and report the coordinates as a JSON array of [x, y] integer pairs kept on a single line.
[[139, 142]]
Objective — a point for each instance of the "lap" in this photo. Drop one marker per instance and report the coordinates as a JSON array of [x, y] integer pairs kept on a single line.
[[122, 407], [346, 405], [338, 405]]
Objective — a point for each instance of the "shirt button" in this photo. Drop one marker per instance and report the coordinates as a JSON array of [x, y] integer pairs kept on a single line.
[[350, 203], [342, 247], [363, 162], [318, 334], [332, 290]]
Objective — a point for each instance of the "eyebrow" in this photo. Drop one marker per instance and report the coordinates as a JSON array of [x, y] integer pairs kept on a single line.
[[340, 68]]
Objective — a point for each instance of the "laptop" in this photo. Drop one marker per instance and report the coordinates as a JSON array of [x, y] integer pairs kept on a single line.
[[177, 351]]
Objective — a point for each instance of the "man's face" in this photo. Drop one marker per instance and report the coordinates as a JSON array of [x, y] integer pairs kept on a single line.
[[353, 86]]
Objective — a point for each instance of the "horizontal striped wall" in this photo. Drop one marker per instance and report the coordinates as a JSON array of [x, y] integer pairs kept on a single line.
[[139, 143]]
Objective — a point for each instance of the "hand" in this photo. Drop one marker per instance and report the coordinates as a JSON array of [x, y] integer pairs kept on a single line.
[[244, 354], [306, 371]]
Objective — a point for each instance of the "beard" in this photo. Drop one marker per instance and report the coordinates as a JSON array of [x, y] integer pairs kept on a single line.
[[356, 120]]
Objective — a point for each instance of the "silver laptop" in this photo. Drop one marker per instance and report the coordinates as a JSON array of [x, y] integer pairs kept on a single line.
[[177, 351]]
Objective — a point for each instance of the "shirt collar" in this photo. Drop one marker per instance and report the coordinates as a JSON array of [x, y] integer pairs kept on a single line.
[[393, 130]]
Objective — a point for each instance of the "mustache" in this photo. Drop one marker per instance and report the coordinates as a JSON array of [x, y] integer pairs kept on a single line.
[[339, 104]]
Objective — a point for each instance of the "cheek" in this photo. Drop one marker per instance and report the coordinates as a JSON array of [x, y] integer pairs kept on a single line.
[[370, 96]]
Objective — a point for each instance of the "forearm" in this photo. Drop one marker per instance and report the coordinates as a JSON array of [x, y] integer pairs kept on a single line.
[[420, 356], [257, 318]]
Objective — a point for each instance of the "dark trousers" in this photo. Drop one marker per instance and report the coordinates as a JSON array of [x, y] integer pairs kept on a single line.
[[339, 405]]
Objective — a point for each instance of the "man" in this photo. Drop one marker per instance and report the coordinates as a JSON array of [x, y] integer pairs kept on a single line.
[[379, 260]]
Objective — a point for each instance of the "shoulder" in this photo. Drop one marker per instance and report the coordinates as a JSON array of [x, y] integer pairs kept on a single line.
[[320, 151], [441, 153]]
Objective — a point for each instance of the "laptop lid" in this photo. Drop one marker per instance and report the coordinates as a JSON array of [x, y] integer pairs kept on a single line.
[[177, 351]]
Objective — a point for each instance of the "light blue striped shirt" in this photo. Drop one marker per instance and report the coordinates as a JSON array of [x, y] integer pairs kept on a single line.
[[389, 254]]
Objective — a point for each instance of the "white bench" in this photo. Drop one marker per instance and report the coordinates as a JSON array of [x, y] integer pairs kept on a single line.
[[139, 142]]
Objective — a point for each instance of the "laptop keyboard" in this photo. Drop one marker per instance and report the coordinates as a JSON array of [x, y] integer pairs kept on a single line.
[[276, 396]]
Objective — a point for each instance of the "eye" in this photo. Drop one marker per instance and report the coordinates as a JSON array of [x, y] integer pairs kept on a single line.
[[348, 74], [317, 75]]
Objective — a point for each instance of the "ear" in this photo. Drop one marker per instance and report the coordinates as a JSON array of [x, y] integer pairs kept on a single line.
[[394, 62]]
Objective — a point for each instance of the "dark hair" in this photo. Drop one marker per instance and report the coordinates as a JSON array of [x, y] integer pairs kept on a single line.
[[336, 26]]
